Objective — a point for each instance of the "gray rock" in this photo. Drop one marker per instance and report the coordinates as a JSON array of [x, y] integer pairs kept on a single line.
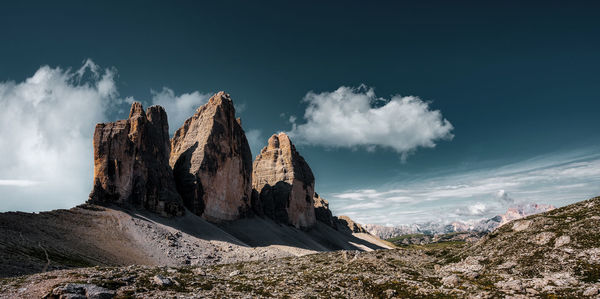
[[80, 291], [161, 280], [450, 281], [591, 291]]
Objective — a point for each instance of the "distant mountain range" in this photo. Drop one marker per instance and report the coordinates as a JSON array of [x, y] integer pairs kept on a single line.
[[434, 228]]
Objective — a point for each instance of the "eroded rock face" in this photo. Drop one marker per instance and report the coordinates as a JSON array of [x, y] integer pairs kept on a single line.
[[322, 211], [212, 163], [284, 183], [131, 163]]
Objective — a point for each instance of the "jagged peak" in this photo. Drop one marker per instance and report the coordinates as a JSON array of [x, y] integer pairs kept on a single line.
[[279, 141], [136, 110]]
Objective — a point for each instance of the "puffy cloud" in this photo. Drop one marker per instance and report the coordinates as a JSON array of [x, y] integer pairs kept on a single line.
[[355, 117], [46, 126], [178, 107]]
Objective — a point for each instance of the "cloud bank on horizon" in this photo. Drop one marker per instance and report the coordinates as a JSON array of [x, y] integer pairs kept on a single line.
[[558, 179], [355, 117]]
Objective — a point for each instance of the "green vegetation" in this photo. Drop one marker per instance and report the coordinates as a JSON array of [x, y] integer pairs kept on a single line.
[[402, 237]]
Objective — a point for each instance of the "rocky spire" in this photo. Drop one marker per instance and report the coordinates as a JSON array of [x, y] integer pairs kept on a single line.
[[131, 163], [284, 183], [212, 163]]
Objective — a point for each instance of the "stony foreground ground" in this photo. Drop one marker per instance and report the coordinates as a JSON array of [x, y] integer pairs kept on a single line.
[[550, 255], [420, 272]]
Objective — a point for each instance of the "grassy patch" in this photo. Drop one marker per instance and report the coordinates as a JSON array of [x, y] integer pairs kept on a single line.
[[403, 237]]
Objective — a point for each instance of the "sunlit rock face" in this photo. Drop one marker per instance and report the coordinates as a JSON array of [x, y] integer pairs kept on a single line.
[[212, 163], [131, 163], [284, 183]]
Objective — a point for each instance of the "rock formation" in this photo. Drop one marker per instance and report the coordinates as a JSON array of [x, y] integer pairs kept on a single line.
[[322, 211], [345, 224], [284, 183], [212, 163], [131, 163]]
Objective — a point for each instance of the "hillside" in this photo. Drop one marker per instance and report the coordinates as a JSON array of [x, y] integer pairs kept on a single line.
[[92, 235], [554, 254]]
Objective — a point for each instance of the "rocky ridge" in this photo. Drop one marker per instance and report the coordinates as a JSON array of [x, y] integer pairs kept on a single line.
[[344, 223], [341, 223], [322, 211]]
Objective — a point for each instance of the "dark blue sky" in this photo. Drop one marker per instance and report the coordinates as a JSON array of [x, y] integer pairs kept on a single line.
[[516, 80]]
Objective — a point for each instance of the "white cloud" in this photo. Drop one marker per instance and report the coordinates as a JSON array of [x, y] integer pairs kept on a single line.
[[476, 209], [355, 117], [46, 127], [18, 183], [555, 179], [178, 107]]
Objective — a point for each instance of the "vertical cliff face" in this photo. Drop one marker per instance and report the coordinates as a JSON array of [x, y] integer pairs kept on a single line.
[[131, 163], [212, 163], [284, 183]]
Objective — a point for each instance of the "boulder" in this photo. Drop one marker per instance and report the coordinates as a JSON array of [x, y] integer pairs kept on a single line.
[[322, 211], [284, 183], [131, 163], [212, 163]]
